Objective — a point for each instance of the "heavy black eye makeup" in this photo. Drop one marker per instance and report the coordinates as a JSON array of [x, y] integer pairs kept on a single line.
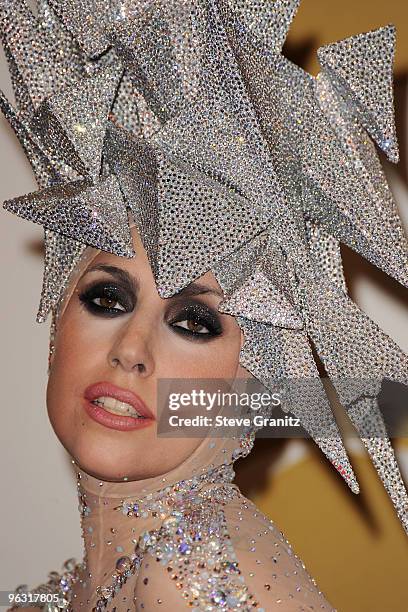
[[187, 317], [205, 321], [107, 299]]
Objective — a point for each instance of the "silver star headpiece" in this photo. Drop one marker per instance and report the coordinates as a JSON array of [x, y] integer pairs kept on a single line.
[[230, 159]]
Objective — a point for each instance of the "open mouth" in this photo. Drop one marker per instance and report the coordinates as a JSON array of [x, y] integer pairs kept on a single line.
[[114, 406]]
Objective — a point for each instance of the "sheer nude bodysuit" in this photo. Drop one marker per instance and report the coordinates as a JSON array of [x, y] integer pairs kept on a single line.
[[187, 539]]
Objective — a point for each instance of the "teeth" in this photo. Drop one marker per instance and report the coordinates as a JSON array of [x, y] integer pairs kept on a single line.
[[116, 407]]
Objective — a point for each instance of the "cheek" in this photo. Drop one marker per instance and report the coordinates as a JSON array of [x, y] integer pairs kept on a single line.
[[82, 340], [80, 353]]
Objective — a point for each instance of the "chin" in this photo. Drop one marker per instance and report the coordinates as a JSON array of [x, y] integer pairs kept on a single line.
[[102, 463], [99, 456]]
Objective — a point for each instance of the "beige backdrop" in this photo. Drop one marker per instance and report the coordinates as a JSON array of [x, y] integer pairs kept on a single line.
[[358, 556]]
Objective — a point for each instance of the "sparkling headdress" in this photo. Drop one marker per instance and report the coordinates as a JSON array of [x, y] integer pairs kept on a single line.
[[230, 159]]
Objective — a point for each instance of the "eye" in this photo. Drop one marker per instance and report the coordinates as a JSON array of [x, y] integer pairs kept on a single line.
[[106, 300], [197, 322], [193, 326]]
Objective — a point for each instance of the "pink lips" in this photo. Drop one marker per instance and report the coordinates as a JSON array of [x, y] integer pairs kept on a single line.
[[114, 421]]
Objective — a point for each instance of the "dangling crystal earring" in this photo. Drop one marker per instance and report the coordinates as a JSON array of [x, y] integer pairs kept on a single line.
[[51, 346]]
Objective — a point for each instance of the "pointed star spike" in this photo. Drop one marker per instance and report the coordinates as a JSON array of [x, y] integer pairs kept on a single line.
[[268, 22], [259, 286], [365, 414], [87, 20], [74, 121], [260, 289], [18, 126], [260, 300], [361, 68], [18, 32], [155, 70], [61, 257], [345, 190], [47, 167], [41, 165], [358, 356], [38, 66], [326, 254], [133, 160], [200, 222], [132, 111], [231, 139], [282, 358], [350, 344], [92, 214]]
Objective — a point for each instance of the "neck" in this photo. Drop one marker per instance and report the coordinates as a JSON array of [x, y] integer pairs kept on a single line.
[[115, 514]]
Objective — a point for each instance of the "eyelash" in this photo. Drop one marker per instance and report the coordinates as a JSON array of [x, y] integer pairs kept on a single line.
[[194, 311]]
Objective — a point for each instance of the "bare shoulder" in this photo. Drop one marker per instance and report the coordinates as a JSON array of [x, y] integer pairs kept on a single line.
[[225, 555], [268, 564]]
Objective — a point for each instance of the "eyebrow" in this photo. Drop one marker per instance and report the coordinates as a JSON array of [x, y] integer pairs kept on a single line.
[[118, 273], [194, 288]]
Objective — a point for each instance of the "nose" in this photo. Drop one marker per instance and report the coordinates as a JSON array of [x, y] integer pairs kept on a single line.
[[130, 350]]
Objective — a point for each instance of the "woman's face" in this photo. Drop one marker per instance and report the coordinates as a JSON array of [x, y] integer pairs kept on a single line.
[[116, 329]]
